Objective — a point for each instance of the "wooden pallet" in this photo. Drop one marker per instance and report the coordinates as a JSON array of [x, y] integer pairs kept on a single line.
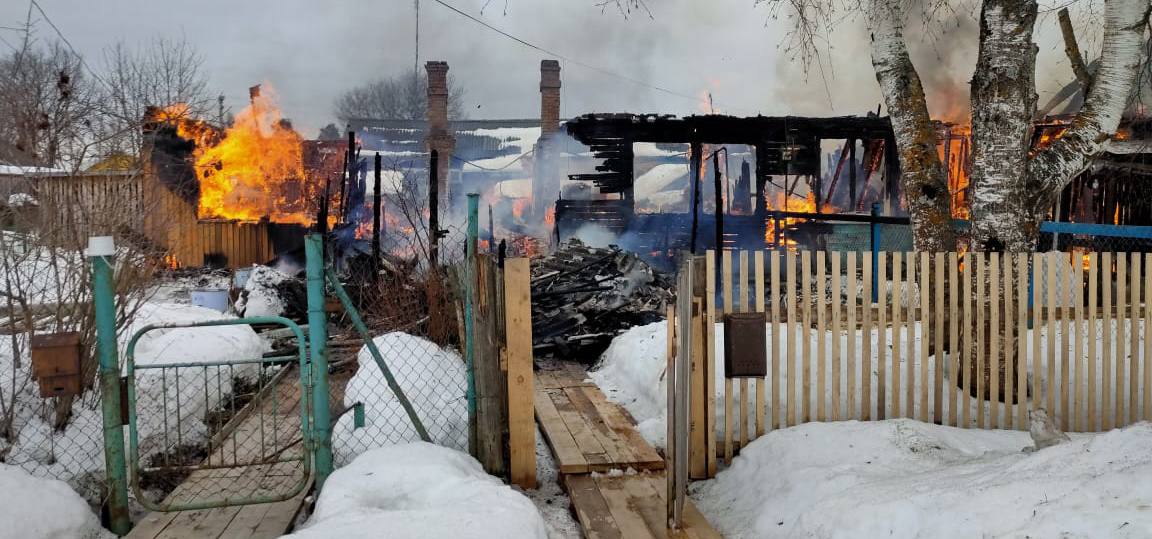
[[631, 507], [587, 433], [260, 521]]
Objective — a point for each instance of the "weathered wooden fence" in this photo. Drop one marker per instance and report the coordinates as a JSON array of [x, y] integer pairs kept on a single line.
[[975, 340]]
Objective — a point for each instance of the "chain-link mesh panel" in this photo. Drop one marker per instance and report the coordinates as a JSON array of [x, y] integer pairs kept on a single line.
[[413, 309]]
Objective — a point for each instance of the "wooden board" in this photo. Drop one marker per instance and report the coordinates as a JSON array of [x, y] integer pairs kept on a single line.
[[631, 506], [518, 319], [589, 433]]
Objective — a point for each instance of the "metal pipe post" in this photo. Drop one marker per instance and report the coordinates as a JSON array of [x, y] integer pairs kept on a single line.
[[318, 359], [101, 252], [469, 326], [376, 220]]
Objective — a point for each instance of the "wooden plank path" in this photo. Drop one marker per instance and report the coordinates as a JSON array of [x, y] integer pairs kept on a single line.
[[277, 427], [588, 435]]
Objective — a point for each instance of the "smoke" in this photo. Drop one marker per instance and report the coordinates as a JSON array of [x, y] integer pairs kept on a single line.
[[943, 42]]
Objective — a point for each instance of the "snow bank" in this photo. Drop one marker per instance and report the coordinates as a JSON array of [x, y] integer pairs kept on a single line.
[[35, 508], [263, 298], [904, 479], [433, 379], [631, 373], [419, 490]]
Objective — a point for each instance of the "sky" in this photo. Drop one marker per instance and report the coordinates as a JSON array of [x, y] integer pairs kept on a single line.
[[736, 50]]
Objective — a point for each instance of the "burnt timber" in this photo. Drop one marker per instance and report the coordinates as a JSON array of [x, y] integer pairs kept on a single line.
[[784, 146]]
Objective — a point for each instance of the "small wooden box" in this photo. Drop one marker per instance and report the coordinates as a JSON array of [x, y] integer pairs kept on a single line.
[[745, 347], [56, 363]]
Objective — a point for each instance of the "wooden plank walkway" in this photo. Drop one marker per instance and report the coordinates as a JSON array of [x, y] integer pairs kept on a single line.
[[277, 427], [589, 434]]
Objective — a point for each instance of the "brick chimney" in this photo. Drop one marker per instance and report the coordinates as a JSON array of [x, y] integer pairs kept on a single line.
[[549, 97], [440, 137]]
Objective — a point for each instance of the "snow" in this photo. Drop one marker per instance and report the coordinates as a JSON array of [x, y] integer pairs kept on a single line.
[[21, 199], [419, 490], [549, 498], [263, 299], [905, 479], [659, 178], [15, 170], [514, 188], [432, 378], [37, 508]]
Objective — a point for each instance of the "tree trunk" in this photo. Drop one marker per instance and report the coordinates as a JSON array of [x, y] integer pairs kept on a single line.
[[923, 176], [1003, 103]]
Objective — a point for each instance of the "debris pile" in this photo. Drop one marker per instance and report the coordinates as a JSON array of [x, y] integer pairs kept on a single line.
[[582, 297]]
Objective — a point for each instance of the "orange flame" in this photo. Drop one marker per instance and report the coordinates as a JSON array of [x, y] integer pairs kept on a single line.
[[257, 170]]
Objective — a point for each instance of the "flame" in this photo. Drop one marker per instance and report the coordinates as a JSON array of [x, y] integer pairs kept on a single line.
[[257, 169], [955, 151], [519, 206], [1123, 133], [783, 202], [550, 216]]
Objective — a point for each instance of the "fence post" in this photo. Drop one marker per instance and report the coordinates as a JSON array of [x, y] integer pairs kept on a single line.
[[318, 358], [101, 250], [469, 326], [875, 238]]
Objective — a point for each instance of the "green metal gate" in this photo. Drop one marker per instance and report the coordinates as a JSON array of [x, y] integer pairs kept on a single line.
[[223, 433]]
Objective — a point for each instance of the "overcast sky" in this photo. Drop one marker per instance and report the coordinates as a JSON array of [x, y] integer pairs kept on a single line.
[[310, 50]]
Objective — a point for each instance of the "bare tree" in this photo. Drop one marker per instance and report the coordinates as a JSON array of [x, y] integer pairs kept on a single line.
[[401, 97], [45, 98], [159, 72]]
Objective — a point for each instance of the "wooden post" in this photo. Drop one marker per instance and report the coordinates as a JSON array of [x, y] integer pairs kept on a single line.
[[491, 395], [518, 326], [694, 175], [719, 195], [376, 218]]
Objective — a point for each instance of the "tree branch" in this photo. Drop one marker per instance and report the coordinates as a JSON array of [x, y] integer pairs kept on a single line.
[[1072, 49]]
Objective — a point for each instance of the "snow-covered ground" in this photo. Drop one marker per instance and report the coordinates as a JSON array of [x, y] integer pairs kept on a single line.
[[419, 491], [37, 508], [898, 478], [433, 379], [904, 479]]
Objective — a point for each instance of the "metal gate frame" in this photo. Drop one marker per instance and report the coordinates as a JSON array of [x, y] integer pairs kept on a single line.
[[306, 411]]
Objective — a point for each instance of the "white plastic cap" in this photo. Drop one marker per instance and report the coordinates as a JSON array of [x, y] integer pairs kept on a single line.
[[101, 246]]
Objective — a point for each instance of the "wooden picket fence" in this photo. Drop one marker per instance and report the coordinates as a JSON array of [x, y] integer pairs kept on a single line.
[[1075, 323]]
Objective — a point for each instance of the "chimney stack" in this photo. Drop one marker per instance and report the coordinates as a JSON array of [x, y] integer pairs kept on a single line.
[[440, 137], [549, 97]]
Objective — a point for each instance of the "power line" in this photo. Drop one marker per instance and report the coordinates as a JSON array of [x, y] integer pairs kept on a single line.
[[565, 58]]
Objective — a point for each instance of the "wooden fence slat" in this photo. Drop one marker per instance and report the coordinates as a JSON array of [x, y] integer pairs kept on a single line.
[[1022, 333], [1037, 325], [709, 314], [699, 428], [1077, 377], [866, 336], [521, 425], [994, 341], [1066, 288], [1107, 406], [926, 324], [954, 354], [1134, 345], [777, 356], [1120, 341], [791, 414], [1093, 357], [1009, 356], [758, 269], [897, 303], [805, 332], [726, 283], [835, 336], [981, 301], [744, 381], [1147, 338], [938, 340], [966, 342], [881, 277], [850, 385], [821, 358], [909, 330]]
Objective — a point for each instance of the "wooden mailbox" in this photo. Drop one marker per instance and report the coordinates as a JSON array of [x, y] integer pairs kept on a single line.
[[56, 363], [745, 348]]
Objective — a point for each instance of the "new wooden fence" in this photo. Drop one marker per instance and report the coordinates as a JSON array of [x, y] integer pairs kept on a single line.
[[1032, 330]]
